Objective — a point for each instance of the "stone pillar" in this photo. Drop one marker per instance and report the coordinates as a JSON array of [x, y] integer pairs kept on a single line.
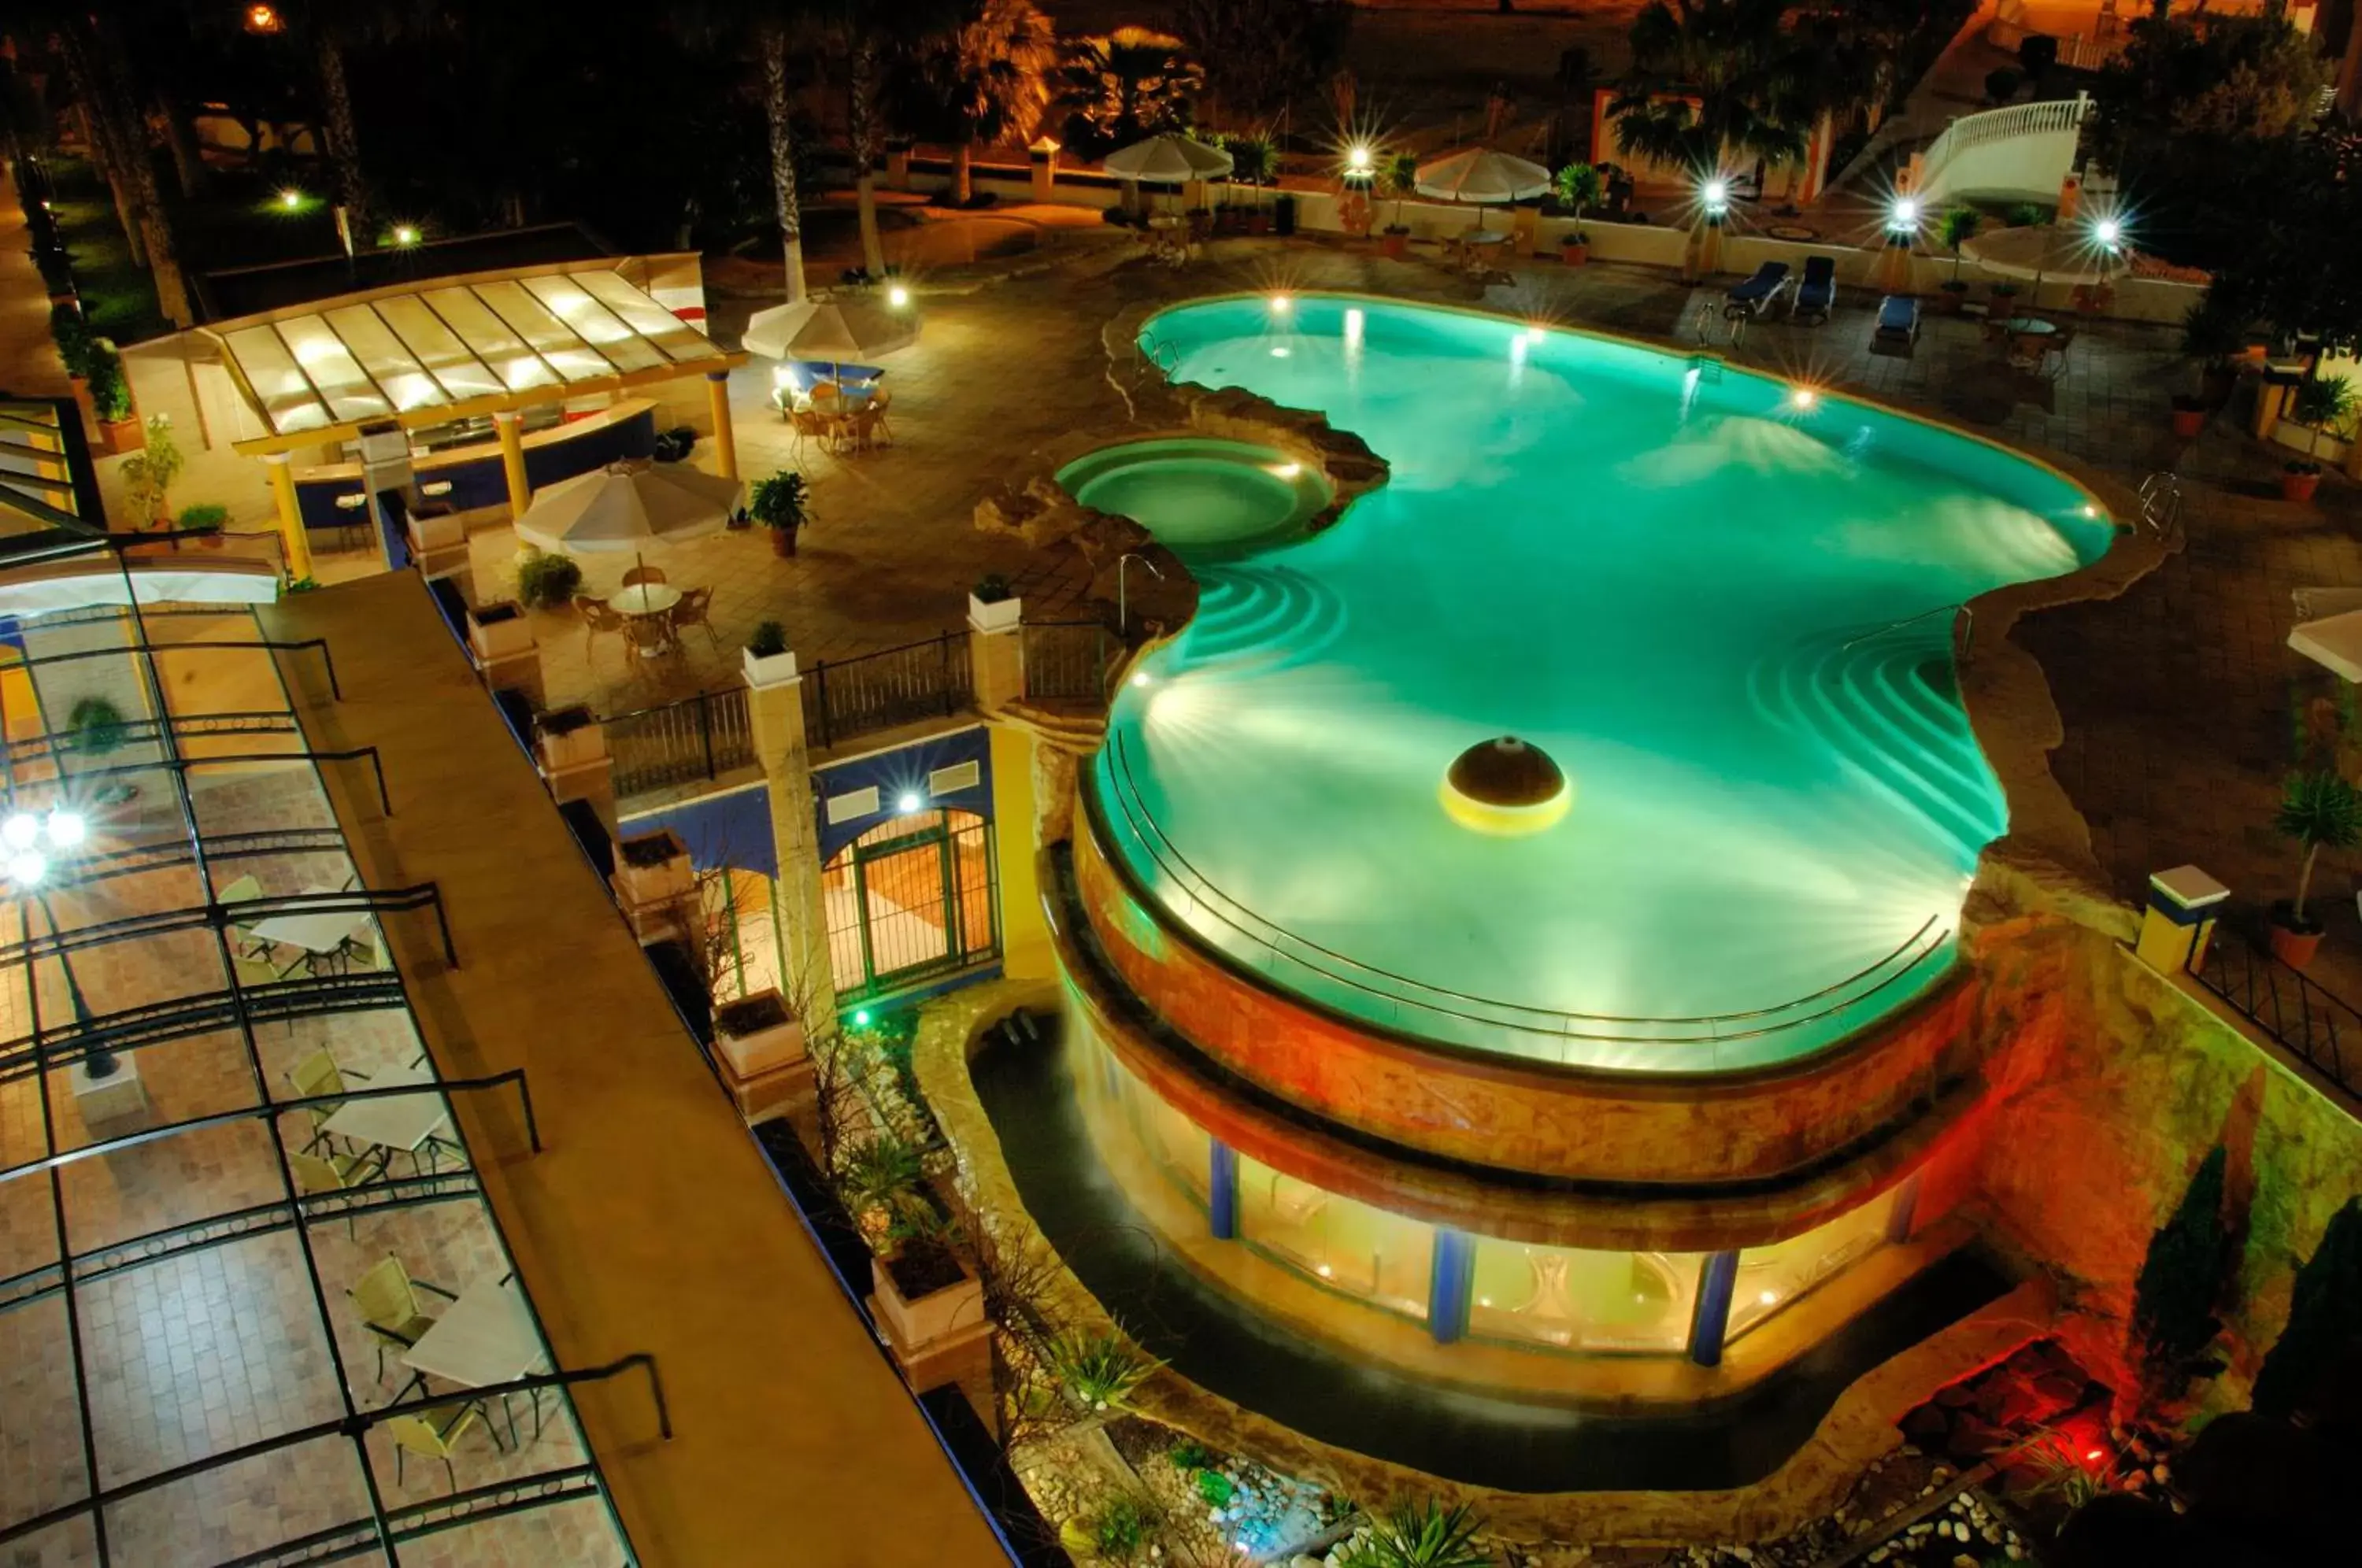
[[2180, 920], [1451, 1284], [995, 646], [725, 435], [1045, 154], [1893, 276], [1053, 793], [1710, 1319], [291, 516], [1222, 1192], [1705, 258], [776, 711], [898, 168], [510, 424]]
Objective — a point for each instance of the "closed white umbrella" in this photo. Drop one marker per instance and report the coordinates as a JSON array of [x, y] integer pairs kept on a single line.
[[835, 333], [627, 506], [1168, 160], [2045, 251], [2335, 644]]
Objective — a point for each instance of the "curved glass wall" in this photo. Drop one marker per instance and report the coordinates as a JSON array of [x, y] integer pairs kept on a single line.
[[1489, 1288]]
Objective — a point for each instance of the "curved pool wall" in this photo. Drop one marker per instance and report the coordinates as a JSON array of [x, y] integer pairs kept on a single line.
[[1199, 495], [1724, 610]]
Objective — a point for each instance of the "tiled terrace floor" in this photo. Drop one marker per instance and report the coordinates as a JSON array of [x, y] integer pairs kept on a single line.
[[187, 1352]]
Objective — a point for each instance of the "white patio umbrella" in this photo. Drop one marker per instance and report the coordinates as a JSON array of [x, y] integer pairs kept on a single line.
[[2333, 644], [2045, 253], [628, 506], [1168, 160], [833, 332], [1481, 176]]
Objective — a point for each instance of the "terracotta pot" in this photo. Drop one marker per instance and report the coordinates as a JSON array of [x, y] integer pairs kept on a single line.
[[121, 435], [783, 542], [2293, 947], [2188, 423], [1949, 300], [2299, 487], [1394, 246], [1574, 254]]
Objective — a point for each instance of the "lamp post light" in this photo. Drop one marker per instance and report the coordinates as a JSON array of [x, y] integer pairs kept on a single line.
[[1714, 195], [1903, 220], [32, 849]]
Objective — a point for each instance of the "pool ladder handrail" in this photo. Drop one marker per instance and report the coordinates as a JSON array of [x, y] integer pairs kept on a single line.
[[1158, 353], [1964, 635], [2161, 503]]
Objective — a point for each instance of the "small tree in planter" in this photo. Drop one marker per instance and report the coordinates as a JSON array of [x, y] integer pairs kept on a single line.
[[1399, 177], [1955, 229], [110, 401], [2181, 1278], [2299, 477], [2319, 810], [2324, 404], [99, 729], [1576, 187], [780, 503], [1422, 1534], [147, 474], [1254, 160], [77, 344], [204, 522]]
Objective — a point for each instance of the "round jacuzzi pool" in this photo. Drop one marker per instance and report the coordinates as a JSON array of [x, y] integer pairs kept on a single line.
[[1198, 494]]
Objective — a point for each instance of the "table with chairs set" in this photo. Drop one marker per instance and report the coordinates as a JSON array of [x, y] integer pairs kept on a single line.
[[842, 416], [479, 1337], [2032, 343], [328, 942], [648, 613]]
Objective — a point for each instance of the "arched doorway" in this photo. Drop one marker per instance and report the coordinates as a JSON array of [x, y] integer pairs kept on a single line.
[[912, 899]]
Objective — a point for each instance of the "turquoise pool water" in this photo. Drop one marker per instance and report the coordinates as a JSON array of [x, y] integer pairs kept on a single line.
[[1199, 494], [1692, 592]]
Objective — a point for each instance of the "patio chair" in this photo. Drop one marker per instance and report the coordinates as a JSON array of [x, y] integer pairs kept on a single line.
[[1818, 293], [2319, 601], [597, 618], [1897, 332], [879, 409], [650, 636], [640, 575], [811, 424], [244, 890], [1754, 297], [387, 1300], [316, 1076], [2054, 351], [692, 610], [316, 1173], [434, 1434]]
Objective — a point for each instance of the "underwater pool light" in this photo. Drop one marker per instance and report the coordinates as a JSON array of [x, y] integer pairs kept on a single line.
[[1506, 786]]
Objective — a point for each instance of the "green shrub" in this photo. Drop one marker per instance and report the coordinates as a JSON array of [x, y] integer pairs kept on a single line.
[[769, 641], [149, 473], [1188, 1453], [2323, 402], [1121, 1529], [1098, 1371], [97, 725], [1217, 1488], [781, 501], [2025, 215], [76, 342], [1421, 1535], [546, 581], [205, 517], [110, 395]]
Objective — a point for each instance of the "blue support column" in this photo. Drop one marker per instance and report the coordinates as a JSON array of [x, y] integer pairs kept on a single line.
[[1222, 1192], [1450, 1281], [1711, 1319]]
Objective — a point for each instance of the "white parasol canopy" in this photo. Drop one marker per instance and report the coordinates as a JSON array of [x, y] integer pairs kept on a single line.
[[2044, 252], [627, 506], [1168, 160], [2335, 642], [835, 333], [1481, 174]]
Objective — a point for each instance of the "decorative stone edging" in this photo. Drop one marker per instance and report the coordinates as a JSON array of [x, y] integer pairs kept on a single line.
[[1859, 1428]]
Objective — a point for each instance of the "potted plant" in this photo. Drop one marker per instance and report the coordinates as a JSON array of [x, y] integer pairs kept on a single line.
[[98, 728], [76, 342], [205, 523], [2299, 477], [653, 868], [1399, 179], [756, 1033], [767, 660], [2322, 403], [781, 504], [569, 737], [1955, 229], [992, 606], [1576, 187], [498, 630], [546, 581], [2319, 810], [1254, 159], [110, 402], [147, 475], [2188, 417], [2213, 334]]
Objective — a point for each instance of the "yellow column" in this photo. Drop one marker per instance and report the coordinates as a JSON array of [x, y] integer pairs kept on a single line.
[[725, 437], [291, 517], [510, 424], [776, 713]]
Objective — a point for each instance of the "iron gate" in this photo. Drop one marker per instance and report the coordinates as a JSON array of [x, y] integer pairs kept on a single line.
[[910, 900]]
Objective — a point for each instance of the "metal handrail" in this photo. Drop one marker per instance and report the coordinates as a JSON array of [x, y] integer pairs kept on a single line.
[[1957, 610], [1702, 1027], [2161, 502], [2311, 1022]]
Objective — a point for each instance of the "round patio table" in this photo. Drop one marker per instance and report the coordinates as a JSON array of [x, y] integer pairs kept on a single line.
[[644, 599], [2030, 327]]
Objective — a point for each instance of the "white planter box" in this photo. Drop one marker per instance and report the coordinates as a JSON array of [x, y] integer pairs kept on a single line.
[[778, 669], [570, 738], [499, 631], [443, 531], [653, 868], [999, 616], [759, 1048], [916, 1325]]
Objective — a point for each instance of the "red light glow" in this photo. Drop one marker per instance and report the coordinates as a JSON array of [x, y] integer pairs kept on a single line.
[[2097, 1453]]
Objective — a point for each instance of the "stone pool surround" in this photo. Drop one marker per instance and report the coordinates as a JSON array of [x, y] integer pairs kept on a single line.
[[2099, 1085]]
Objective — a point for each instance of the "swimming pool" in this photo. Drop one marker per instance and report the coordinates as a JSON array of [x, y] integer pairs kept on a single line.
[[1723, 609]]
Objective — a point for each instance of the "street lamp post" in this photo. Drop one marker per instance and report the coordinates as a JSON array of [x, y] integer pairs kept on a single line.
[[34, 846]]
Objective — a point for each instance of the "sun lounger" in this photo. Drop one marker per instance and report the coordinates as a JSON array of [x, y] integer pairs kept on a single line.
[[1898, 327], [1818, 293], [1753, 297]]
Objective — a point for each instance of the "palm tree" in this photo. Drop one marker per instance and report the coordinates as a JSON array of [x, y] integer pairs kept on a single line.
[[1131, 85], [1714, 77], [328, 31], [990, 75], [764, 29], [99, 67]]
